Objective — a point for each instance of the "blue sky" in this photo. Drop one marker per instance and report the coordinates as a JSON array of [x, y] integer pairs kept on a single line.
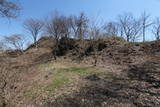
[[106, 10]]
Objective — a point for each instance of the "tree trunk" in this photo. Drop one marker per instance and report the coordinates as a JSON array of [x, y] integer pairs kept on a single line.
[[144, 34], [56, 49]]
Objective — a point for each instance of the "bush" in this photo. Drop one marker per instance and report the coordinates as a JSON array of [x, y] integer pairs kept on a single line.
[[64, 45]]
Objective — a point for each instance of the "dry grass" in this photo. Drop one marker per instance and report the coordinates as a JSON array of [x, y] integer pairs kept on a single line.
[[50, 79], [34, 79]]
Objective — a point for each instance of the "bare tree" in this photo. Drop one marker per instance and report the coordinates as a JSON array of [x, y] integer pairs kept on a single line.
[[57, 27], [9, 8], [156, 28], [34, 27], [145, 20], [65, 26], [53, 26], [94, 29], [2, 45], [131, 26], [111, 29], [95, 32], [15, 41], [79, 25], [120, 30]]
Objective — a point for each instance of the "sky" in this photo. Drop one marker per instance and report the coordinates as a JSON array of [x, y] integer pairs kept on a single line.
[[106, 10]]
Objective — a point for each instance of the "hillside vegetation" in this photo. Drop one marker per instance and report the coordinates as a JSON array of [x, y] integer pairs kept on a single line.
[[86, 73]]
